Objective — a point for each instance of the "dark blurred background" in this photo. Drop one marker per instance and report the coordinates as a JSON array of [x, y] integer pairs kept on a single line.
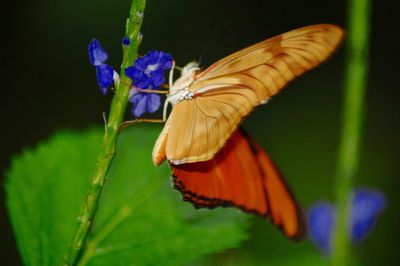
[[48, 84]]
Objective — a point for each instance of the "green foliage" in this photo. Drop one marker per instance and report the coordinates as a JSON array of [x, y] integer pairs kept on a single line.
[[140, 221], [268, 246]]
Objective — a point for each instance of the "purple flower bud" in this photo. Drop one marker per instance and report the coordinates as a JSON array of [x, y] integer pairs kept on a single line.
[[126, 41], [97, 55]]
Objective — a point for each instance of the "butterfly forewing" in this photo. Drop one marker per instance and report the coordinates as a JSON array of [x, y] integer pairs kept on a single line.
[[314, 42], [229, 89]]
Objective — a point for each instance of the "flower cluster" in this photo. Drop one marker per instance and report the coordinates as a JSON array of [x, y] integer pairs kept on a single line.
[[105, 74], [147, 73], [366, 205]]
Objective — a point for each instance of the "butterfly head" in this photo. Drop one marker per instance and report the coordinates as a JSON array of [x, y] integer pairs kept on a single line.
[[190, 69]]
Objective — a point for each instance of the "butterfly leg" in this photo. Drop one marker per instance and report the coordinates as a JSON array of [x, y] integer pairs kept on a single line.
[[165, 109], [151, 91], [138, 120], [171, 74]]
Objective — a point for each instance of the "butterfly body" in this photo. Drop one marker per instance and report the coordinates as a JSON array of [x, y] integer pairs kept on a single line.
[[200, 139], [179, 90]]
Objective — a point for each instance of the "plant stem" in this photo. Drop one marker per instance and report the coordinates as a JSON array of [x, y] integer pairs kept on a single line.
[[117, 111], [358, 19]]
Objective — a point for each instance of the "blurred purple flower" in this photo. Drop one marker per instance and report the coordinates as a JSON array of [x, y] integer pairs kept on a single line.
[[366, 205], [104, 73], [148, 71], [321, 222], [144, 102]]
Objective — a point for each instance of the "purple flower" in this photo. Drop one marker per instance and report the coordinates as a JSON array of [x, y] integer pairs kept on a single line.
[[97, 55], [321, 222], [148, 71], [104, 73], [366, 205], [144, 102]]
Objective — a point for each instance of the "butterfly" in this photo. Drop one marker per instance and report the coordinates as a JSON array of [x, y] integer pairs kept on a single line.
[[214, 163]]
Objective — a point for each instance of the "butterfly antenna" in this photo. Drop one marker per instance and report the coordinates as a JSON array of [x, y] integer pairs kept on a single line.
[[210, 32]]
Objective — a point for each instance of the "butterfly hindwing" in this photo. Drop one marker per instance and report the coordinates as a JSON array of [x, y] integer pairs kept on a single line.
[[285, 212], [241, 175]]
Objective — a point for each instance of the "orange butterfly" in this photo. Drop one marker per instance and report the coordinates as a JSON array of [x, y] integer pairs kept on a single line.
[[214, 163]]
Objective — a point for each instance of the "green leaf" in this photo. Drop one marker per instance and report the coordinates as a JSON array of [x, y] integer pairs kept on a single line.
[[141, 220]]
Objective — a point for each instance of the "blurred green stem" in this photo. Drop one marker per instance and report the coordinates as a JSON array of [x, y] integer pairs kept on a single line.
[[358, 20], [117, 111]]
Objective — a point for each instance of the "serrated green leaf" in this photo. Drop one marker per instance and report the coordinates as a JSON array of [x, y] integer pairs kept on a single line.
[[141, 219]]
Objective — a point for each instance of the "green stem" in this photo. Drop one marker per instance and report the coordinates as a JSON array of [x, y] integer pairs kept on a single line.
[[117, 111], [353, 110]]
